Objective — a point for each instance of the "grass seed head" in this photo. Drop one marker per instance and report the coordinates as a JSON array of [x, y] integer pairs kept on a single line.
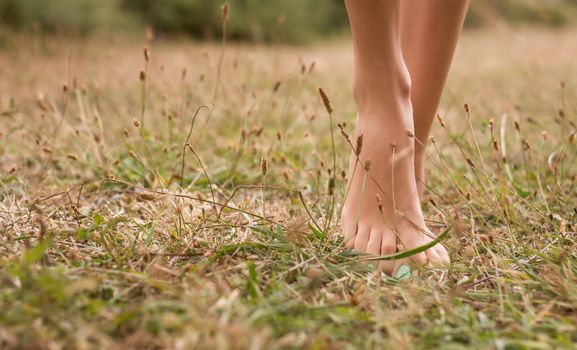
[[495, 146], [263, 166], [146, 54], [441, 121], [467, 107], [276, 86], [343, 132], [311, 67], [526, 145], [224, 11], [326, 100], [331, 186], [359, 147], [142, 75], [380, 204], [367, 165]]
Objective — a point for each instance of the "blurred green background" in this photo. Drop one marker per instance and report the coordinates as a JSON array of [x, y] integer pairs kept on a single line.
[[294, 21]]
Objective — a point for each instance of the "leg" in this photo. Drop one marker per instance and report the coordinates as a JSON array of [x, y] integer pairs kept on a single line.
[[382, 93], [429, 33]]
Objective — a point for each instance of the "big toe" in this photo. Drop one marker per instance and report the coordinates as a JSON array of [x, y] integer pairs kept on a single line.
[[445, 260], [433, 257]]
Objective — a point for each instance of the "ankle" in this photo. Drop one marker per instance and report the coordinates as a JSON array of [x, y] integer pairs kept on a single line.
[[371, 89], [420, 148]]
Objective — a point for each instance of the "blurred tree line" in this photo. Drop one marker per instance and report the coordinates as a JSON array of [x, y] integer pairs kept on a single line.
[[261, 20]]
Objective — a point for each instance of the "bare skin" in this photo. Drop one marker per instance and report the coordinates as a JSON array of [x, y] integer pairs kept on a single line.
[[429, 33], [382, 91]]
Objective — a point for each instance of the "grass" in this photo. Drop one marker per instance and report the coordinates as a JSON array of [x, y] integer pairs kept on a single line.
[[104, 245]]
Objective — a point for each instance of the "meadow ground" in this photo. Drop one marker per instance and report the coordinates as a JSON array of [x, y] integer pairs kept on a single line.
[[103, 244]]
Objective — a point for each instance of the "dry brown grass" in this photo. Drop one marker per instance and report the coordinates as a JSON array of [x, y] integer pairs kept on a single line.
[[140, 261]]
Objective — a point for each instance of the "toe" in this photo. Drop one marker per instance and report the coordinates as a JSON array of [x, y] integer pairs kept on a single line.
[[388, 247], [433, 257], [374, 244], [362, 238], [443, 254], [419, 259]]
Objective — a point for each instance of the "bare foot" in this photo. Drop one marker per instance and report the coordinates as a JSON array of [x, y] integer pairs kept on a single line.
[[396, 222]]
